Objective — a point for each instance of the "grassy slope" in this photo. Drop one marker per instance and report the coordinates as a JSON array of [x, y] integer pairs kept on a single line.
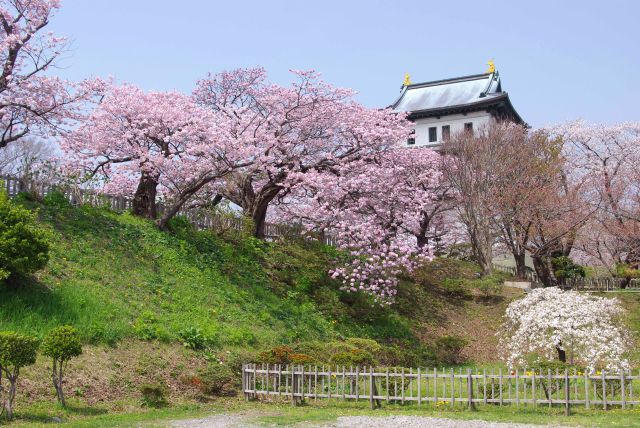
[[115, 276], [118, 279]]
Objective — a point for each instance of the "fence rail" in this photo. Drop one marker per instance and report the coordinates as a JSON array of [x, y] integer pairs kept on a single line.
[[601, 284], [198, 217], [448, 387]]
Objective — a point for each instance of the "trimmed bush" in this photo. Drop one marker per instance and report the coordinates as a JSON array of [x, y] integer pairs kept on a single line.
[[448, 349], [16, 352], [61, 345], [154, 395], [24, 246], [218, 379]]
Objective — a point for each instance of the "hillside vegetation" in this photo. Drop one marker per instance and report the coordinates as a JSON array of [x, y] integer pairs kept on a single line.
[[160, 307]]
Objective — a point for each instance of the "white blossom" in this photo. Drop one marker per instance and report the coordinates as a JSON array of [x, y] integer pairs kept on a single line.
[[588, 328]]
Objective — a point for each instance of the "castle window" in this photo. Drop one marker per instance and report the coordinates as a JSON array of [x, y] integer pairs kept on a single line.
[[412, 138], [446, 132], [468, 127], [433, 134]]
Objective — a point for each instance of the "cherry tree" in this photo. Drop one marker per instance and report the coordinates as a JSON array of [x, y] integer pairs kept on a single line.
[[606, 158], [295, 132], [567, 325], [152, 146], [31, 102], [384, 212]]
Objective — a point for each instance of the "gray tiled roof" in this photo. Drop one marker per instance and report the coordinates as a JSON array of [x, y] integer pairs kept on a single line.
[[460, 91]]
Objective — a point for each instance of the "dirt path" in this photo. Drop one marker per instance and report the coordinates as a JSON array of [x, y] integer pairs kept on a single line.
[[243, 421]]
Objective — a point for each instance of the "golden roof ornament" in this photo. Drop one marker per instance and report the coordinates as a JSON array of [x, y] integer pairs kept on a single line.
[[407, 80], [492, 67]]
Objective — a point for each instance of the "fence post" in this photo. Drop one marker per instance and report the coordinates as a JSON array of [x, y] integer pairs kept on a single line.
[[371, 387], [586, 390], [622, 389], [567, 405], [604, 391], [470, 390], [419, 389], [294, 385]]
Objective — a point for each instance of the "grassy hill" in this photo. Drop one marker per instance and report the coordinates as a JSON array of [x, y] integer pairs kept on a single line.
[[138, 294]]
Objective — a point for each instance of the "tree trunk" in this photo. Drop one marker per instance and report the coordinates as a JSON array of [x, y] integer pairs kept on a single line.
[[259, 217], [422, 241], [57, 382], [144, 200], [11, 395], [521, 266], [562, 354], [544, 268]]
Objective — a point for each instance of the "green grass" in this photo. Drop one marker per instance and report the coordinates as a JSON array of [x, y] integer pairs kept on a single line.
[[115, 276], [282, 414]]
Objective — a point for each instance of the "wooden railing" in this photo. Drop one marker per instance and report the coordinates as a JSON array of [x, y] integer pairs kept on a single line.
[[448, 387], [200, 218], [600, 284]]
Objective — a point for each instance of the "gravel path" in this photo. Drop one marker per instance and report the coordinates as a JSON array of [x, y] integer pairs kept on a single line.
[[244, 421]]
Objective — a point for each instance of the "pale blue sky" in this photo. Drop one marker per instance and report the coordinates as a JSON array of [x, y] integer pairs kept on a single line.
[[558, 59]]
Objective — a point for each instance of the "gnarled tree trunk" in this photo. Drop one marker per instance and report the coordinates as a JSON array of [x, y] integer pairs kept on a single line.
[[144, 200]]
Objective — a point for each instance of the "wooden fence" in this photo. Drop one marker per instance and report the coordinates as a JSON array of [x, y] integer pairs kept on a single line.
[[441, 387], [198, 217], [600, 284]]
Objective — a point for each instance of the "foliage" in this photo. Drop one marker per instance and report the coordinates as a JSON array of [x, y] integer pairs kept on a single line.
[[193, 338], [549, 321], [33, 102], [488, 285], [154, 395], [353, 357], [218, 379], [61, 344], [564, 267], [24, 245], [448, 349], [56, 199], [16, 352], [283, 355]]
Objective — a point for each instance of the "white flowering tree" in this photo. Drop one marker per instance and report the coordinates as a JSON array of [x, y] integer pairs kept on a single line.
[[572, 327]]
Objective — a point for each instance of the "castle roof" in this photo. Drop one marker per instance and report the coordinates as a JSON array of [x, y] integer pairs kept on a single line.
[[457, 95]]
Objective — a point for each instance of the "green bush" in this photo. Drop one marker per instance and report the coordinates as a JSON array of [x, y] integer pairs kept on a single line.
[[218, 379], [16, 352], [448, 349], [61, 344], [489, 285], [564, 267], [354, 357], [193, 338], [24, 245], [455, 287], [56, 200], [154, 395]]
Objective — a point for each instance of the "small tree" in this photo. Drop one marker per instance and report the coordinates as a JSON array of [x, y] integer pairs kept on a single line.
[[24, 246], [576, 328], [16, 351], [61, 344]]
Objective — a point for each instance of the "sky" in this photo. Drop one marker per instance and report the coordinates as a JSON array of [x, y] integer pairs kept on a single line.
[[559, 60]]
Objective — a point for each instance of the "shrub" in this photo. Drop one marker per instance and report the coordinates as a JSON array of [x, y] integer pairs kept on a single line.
[[354, 357], [283, 355], [24, 246], [147, 327], [448, 349], [455, 288], [56, 200], [16, 352], [61, 344], [218, 379], [154, 395], [193, 338], [488, 286], [564, 267]]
